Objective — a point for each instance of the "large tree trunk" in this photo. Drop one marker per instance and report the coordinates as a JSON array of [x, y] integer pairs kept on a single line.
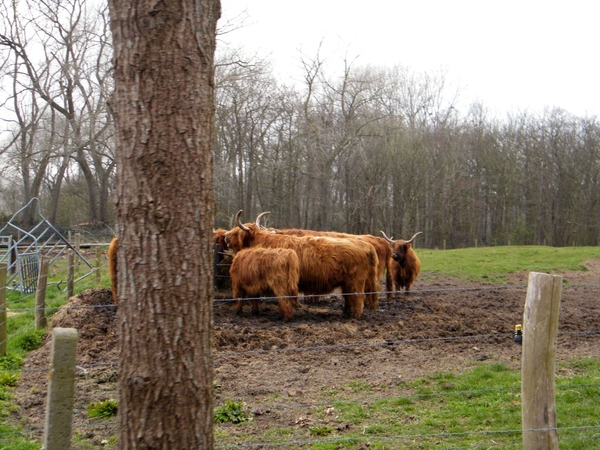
[[164, 107]]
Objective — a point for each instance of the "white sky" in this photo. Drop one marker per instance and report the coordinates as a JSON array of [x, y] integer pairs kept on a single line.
[[510, 55]]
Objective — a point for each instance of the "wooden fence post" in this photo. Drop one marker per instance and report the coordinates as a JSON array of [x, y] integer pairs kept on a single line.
[[98, 265], [71, 274], [61, 389], [78, 248], [3, 315], [40, 295], [78, 242], [540, 328]]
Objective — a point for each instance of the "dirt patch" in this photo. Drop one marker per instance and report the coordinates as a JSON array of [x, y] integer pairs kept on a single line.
[[442, 326]]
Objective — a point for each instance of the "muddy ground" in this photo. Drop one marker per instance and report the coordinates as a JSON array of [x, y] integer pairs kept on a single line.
[[280, 369]]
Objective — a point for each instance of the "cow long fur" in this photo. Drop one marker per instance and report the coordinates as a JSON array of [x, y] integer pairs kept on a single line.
[[405, 263], [266, 271], [384, 255], [326, 263], [222, 261], [111, 254]]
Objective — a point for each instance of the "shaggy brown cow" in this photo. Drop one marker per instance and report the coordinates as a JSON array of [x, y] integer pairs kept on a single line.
[[111, 254], [222, 260], [219, 234], [326, 263], [384, 254], [405, 262], [266, 271]]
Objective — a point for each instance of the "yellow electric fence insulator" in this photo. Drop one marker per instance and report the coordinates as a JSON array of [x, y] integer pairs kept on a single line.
[[518, 334]]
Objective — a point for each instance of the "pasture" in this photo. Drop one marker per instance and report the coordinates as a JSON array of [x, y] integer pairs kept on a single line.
[[322, 381]]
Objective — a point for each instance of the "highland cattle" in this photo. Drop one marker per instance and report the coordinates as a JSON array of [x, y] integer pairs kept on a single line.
[[380, 245], [326, 263], [261, 271], [405, 265]]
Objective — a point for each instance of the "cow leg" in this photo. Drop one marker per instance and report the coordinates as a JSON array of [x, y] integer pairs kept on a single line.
[[286, 297], [286, 308], [254, 304], [389, 284], [372, 296], [238, 306], [238, 292], [353, 303]]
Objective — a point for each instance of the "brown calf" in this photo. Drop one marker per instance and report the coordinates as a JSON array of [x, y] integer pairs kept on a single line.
[[266, 271]]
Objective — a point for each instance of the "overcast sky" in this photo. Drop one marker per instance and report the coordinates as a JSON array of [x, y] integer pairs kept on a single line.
[[510, 55]]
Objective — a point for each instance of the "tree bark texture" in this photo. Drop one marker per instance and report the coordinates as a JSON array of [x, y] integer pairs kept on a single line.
[[164, 107]]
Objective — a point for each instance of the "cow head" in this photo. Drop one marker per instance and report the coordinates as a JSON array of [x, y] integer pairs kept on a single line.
[[400, 247], [243, 235], [220, 238]]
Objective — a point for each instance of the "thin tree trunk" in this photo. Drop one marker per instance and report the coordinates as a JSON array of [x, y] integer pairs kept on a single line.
[[164, 108]]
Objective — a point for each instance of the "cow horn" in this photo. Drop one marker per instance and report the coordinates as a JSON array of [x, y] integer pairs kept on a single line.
[[239, 222], [413, 238], [260, 216], [390, 240]]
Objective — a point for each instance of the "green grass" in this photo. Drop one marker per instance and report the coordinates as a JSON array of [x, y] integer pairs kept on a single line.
[[492, 264], [23, 337], [232, 412], [104, 409], [479, 408]]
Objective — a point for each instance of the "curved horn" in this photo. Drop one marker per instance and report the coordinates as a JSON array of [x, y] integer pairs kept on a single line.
[[390, 240], [413, 238], [239, 222], [260, 216]]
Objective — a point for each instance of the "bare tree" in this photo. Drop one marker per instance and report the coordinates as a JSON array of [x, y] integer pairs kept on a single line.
[[64, 66], [164, 109]]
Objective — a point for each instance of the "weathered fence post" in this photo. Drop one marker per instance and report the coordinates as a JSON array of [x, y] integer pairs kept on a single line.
[[98, 264], [71, 274], [40, 295], [61, 389], [78, 242], [78, 249], [540, 328], [3, 315]]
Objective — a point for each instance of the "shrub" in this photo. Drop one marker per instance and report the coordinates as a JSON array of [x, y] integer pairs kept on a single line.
[[9, 379], [104, 409], [30, 341], [234, 412], [10, 362]]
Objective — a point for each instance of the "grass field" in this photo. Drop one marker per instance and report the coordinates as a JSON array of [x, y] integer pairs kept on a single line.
[[493, 264], [483, 400]]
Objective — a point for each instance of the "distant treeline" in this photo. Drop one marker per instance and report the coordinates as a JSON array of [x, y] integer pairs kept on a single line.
[[356, 149]]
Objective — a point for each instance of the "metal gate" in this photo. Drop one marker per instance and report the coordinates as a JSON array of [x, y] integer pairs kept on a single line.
[[28, 271], [25, 248]]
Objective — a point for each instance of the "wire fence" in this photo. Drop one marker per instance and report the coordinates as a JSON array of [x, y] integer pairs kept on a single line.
[[585, 435]]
